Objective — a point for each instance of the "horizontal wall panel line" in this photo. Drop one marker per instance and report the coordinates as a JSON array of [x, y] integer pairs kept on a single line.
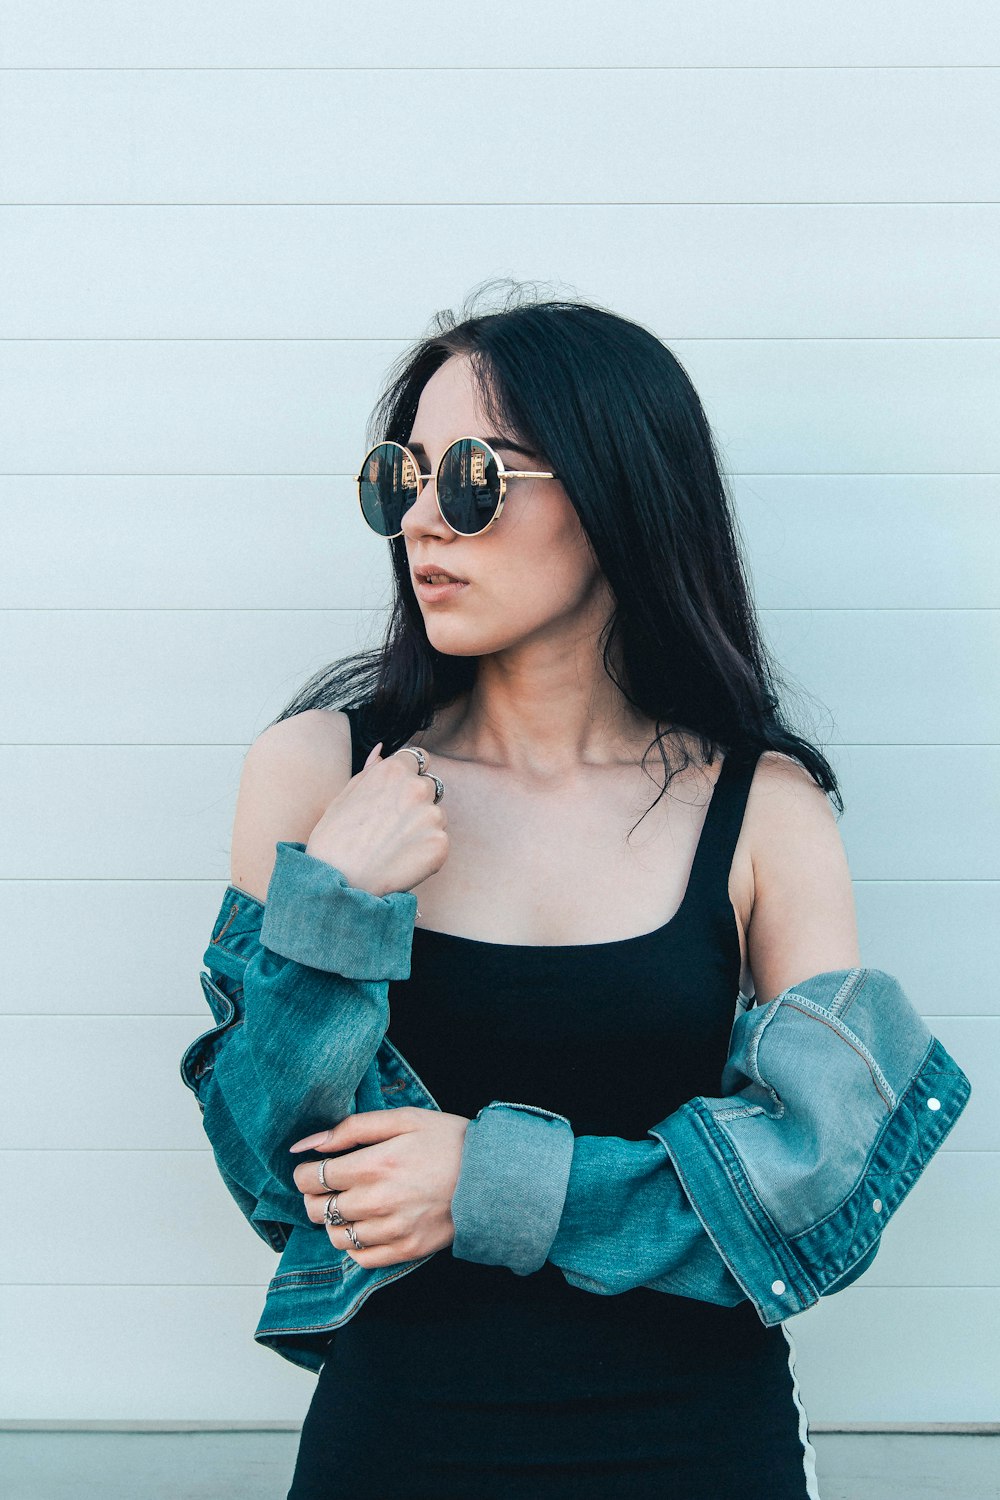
[[266, 609], [340, 474], [688, 338], [237, 745], [203, 880], [505, 203], [530, 68], [167, 1424], [372, 609]]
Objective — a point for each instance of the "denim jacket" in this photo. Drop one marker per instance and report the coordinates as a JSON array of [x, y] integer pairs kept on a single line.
[[833, 1099]]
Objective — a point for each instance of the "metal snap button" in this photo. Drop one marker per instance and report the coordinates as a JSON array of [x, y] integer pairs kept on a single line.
[[877, 1205], [934, 1104], [777, 1287]]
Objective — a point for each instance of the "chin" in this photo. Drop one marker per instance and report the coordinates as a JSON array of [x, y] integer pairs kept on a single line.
[[455, 638], [457, 648]]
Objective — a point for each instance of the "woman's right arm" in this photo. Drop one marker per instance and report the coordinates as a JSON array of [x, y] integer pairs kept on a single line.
[[302, 952]]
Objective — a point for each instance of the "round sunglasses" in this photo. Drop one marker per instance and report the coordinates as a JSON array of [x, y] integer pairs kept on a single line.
[[470, 485]]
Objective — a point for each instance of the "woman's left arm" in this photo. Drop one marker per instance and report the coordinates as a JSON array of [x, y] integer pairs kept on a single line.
[[832, 1101], [802, 918]]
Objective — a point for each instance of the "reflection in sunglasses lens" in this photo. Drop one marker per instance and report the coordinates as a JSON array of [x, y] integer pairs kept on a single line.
[[468, 486], [387, 488]]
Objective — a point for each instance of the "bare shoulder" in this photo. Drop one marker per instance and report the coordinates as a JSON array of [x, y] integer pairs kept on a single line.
[[779, 781], [802, 918], [291, 773]]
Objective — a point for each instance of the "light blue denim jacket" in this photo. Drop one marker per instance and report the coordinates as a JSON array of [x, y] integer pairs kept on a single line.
[[833, 1099]]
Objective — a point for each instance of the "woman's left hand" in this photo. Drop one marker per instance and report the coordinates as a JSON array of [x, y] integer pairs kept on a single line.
[[396, 1190]]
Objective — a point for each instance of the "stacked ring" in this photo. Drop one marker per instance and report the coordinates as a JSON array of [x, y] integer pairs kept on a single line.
[[332, 1214], [421, 768]]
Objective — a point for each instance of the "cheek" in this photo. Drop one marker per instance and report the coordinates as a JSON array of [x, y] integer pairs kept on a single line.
[[546, 555], [563, 570], [526, 593]]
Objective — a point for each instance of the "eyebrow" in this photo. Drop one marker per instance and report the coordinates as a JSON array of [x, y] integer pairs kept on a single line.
[[420, 451]]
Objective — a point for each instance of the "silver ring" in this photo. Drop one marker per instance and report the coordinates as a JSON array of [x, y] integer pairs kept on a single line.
[[353, 1237], [332, 1214], [321, 1165], [438, 788], [413, 750]]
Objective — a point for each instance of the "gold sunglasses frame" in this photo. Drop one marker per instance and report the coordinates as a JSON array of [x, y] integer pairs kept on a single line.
[[503, 473]]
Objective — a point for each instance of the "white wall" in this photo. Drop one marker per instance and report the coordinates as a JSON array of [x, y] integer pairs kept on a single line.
[[221, 224]]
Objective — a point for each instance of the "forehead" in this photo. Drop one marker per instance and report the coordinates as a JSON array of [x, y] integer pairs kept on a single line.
[[449, 399]]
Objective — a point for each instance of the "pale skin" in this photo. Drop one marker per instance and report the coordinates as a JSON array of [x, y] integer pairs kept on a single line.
[[542, 767]]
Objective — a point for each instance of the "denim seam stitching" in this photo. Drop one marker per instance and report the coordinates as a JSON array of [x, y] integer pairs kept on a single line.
[[838, 1027]]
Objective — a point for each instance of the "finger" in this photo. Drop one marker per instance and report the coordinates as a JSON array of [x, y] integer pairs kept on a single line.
[[339, 1236], [307, 1179], [318, 1141], [326, 1140], [315, 1207], [345, 1205], [373, 1260], [388, 1251], [373, 755], [360, 1129]]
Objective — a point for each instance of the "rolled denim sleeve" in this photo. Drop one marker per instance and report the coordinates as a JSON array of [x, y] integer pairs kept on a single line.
[[299, 991], [511, 1184], [314, 916], [610, 1213], [834, 1097]]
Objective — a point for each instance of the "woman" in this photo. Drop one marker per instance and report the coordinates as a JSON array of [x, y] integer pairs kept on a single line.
[[592, 939]]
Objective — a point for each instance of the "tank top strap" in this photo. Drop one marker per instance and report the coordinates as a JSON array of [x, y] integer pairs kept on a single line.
[[713, 858], [359, 748]]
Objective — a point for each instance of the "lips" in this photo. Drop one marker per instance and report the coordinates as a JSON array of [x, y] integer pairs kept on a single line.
[[425, 572]]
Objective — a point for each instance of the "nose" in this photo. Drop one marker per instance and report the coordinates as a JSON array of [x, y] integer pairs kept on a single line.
[[423, 515]]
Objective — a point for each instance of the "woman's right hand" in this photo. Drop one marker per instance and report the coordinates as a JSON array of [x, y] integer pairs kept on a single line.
[[384, 832]]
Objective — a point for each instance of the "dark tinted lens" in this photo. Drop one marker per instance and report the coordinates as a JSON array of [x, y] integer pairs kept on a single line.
[[387, 487], [468, 486]]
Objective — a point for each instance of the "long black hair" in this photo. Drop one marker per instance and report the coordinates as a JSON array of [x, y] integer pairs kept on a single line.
[[613, 412]]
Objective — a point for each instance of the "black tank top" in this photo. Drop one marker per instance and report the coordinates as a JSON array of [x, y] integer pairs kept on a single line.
[[613, 1035], [461, 1379]]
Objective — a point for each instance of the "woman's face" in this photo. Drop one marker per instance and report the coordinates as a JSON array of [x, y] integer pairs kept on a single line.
[[532, 575]]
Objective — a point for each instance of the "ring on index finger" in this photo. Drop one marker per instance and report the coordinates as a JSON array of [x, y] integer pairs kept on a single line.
[[414, 750]]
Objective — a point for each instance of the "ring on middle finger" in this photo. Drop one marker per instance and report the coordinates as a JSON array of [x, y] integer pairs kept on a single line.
[[332, 1214], [321, 1166]]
